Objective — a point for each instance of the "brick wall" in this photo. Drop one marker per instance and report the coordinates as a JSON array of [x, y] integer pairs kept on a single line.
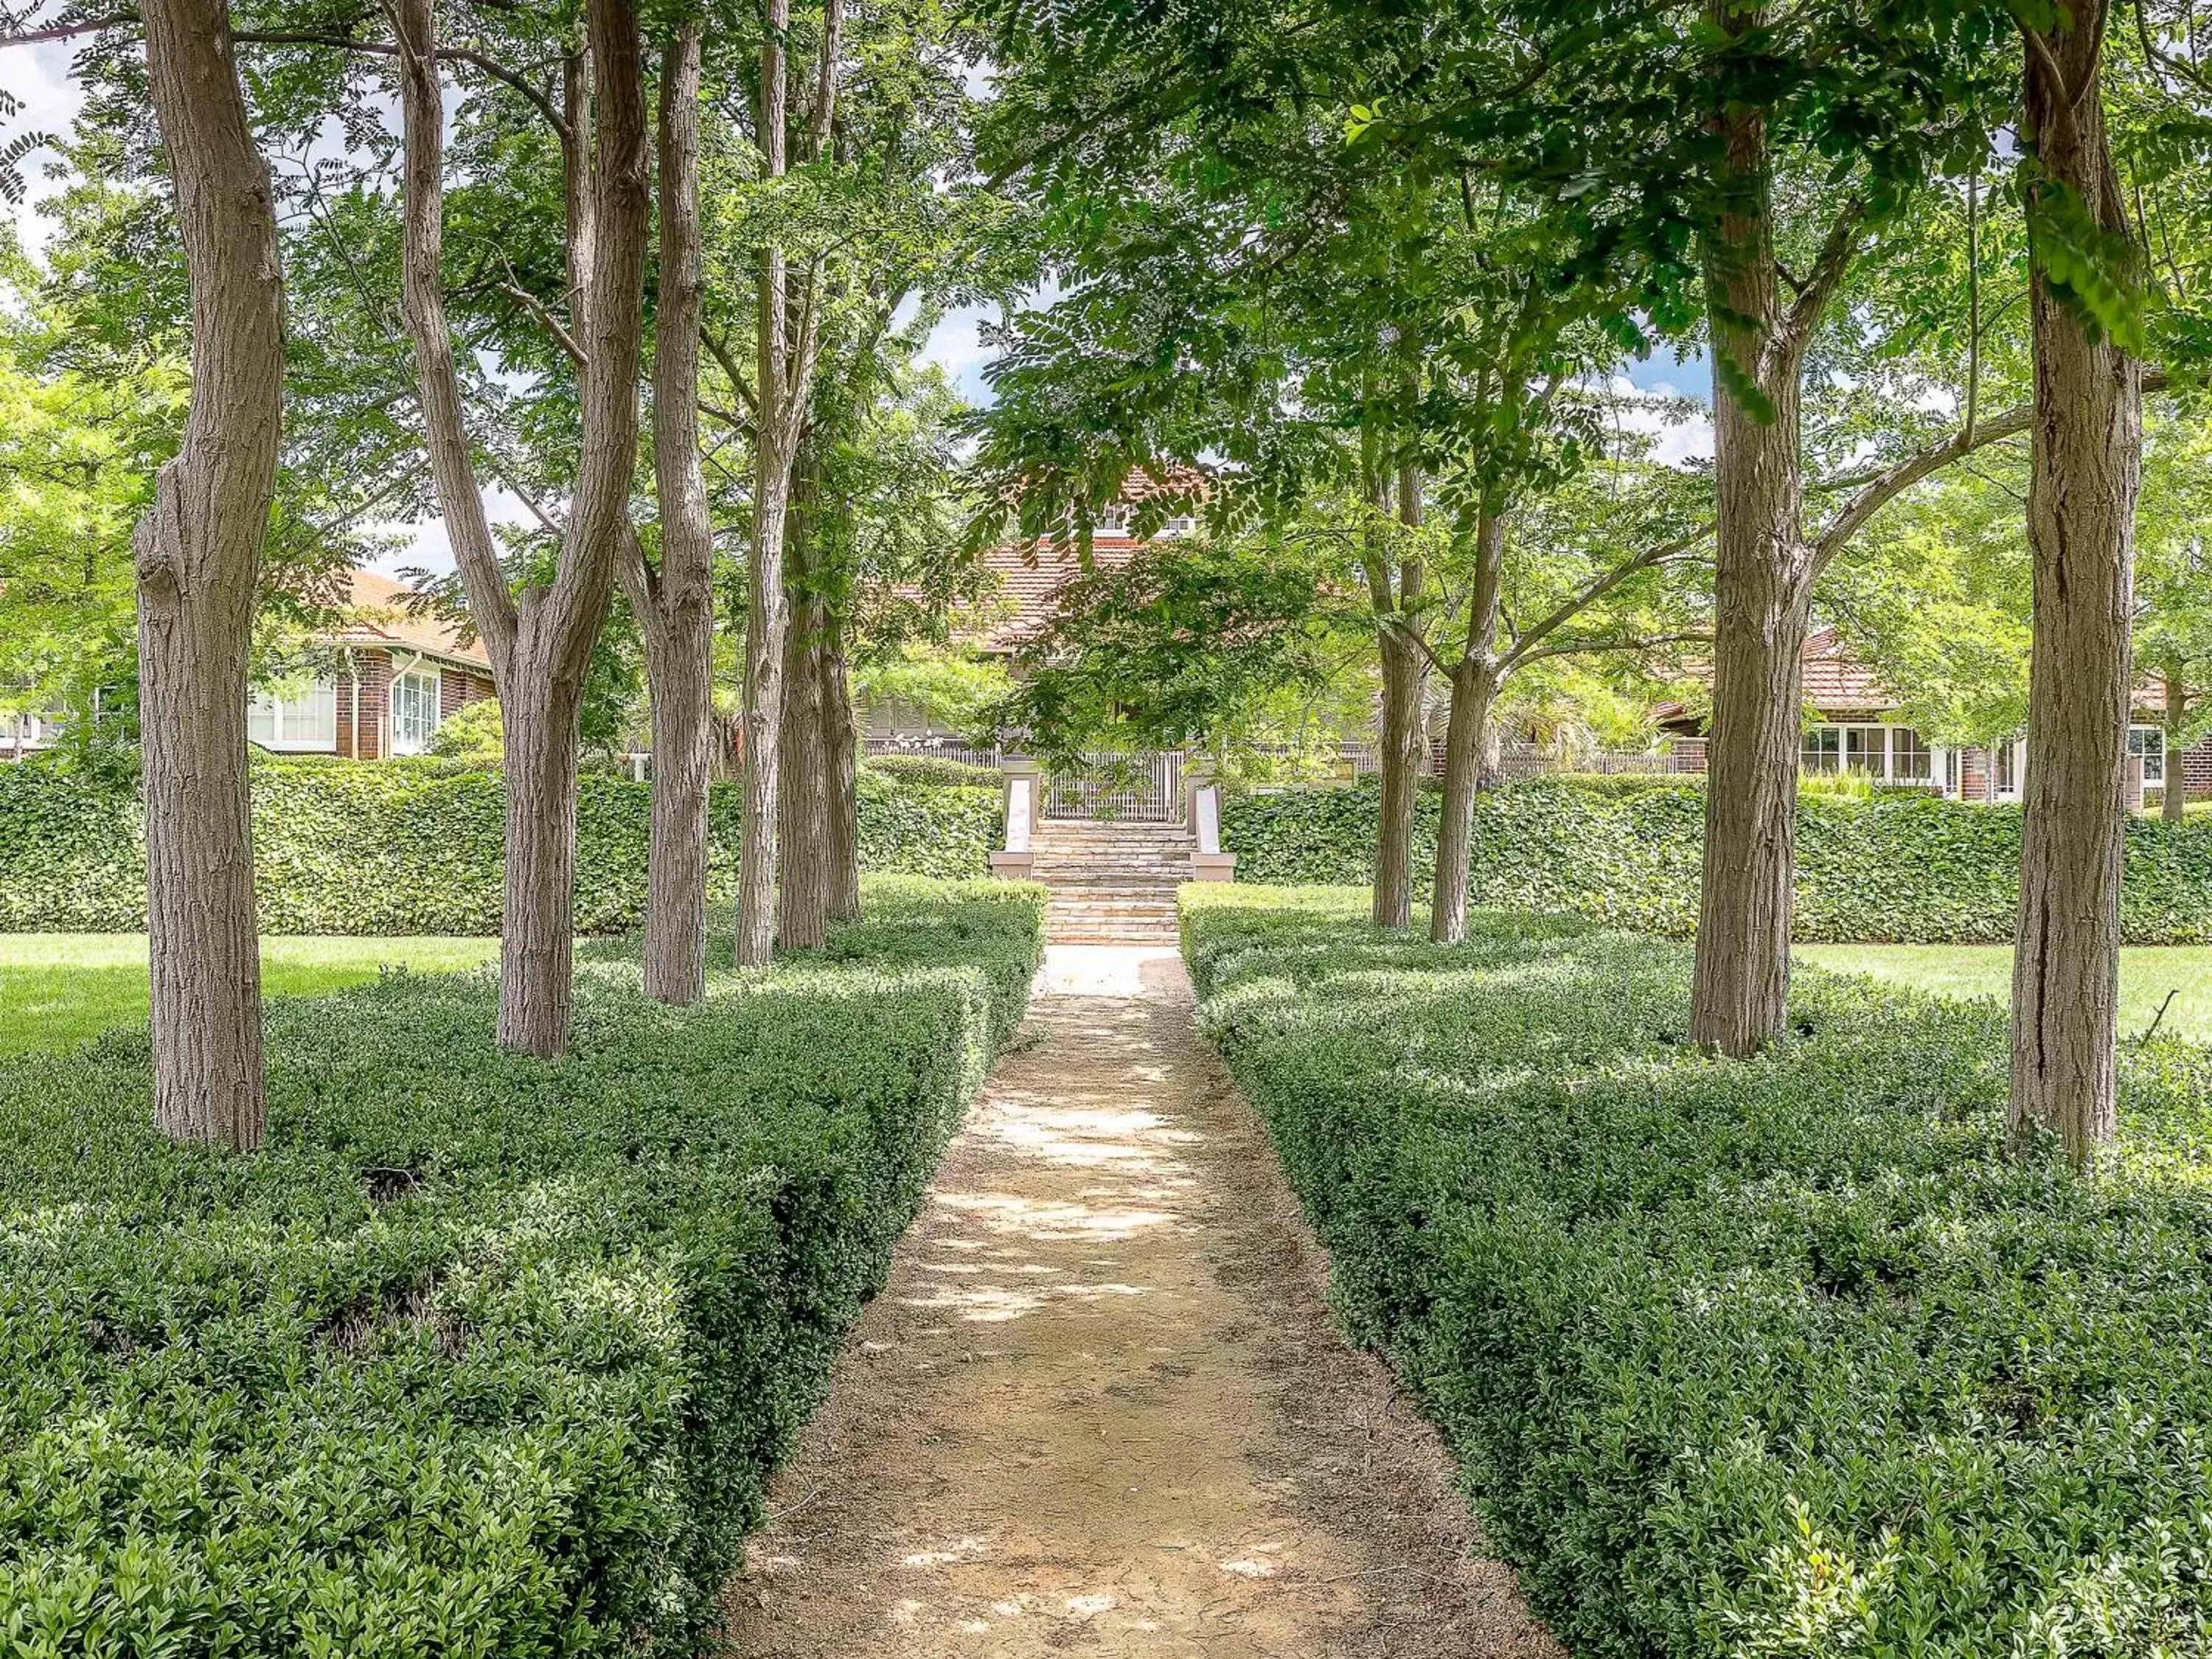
[[2197, 770], [458, 688], [374, 701], [1687, 755]]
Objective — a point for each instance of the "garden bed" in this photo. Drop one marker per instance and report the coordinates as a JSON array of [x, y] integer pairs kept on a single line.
[[482, 1354], [1778, 1356]]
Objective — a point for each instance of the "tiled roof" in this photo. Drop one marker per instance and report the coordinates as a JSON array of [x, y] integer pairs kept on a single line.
[[1836, 680], [378, 616], [1024, 591]]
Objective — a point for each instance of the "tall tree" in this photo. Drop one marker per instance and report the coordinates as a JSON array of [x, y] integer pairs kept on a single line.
[[786, 336], [199, 558], [540, 640], [674, 600], [2085, 473]]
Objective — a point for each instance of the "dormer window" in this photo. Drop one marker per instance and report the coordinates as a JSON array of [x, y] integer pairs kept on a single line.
[[1182, 523], [1112, 521]]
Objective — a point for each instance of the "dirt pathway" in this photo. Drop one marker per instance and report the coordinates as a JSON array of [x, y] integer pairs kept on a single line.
[[1100, 1408]]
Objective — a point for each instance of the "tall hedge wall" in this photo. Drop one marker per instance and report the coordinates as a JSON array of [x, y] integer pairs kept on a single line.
[[1901, 868], [413, 847]]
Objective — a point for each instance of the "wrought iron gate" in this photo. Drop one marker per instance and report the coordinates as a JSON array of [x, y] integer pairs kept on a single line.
[[1139, 788]]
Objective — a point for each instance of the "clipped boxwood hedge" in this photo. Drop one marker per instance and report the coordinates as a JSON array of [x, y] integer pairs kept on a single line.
[[481, 1355], [1767, 1358], [415, 847], [1897, 866]]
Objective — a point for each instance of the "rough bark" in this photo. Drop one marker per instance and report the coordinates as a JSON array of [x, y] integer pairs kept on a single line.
[[1474, 682], [841, 751], [2085, 467], [1763, 571], [2173, 797], [676, 602], [1403, 747], [541, 643], [198, 555], [803, 804], [803, 819], [786, 337]]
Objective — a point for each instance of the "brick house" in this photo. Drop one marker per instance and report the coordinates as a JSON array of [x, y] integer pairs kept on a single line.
[[1853, 725], [1021, 595], [394, 678]]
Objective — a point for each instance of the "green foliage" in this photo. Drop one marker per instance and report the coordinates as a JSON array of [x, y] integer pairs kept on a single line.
[[1896, 864], [936, 770], [475, 733], [1773, 1358], [416, 846], [482, 1354]]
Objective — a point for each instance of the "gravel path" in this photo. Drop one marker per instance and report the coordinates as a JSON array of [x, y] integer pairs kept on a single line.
[[1101, 1408]]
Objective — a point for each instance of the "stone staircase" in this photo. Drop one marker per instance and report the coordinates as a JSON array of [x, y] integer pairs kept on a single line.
[[1111, 883]]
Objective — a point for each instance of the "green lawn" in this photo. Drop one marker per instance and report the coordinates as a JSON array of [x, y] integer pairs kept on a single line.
[[59, 988], [2147, 972]]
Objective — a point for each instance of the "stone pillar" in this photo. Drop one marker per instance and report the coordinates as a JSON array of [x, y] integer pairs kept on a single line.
[[1202, 808], [1018, 857]]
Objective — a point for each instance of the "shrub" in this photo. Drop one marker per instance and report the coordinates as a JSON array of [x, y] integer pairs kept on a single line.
[[939, 769], [415, 847], [1777, 1357], [475, 733], [482, 1354], [1897, 865]]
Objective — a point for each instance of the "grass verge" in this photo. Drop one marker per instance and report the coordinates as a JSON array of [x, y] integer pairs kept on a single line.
[[57, 989], [1777, 1357], [2147, 974], [481, 1355]]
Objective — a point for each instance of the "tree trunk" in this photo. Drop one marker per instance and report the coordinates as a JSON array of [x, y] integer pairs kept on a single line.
[[541, 644], [541, 715], [803, 895], [2173, 796], [679, 659], [1473, 687], [1474, 682], [840, 753], [1762, 591], [2085, 467], [199, 554], [1403, 746], [677, 605]]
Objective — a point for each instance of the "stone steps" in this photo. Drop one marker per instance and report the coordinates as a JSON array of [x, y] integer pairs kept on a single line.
[[1111, 884]]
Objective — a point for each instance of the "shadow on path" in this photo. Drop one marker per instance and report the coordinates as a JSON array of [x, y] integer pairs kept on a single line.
[[1100, 1407]]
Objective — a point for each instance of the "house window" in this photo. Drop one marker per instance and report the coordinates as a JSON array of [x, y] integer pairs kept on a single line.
[[1911, 759], [303, 720], [1183, 524], [1890, 754], [2009, 769], [1114, 521], [1824, 749], [2148, 745], [414, 711]]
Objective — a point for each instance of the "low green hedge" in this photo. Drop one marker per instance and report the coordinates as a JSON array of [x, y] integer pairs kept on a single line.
[[415, 847], [481, 1355], [1897, 866], [1766, 1358], [940, 769]]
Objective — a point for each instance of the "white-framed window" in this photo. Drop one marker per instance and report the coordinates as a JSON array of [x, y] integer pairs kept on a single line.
[[415, 712], [1182, 523], [2148, 745], [1112, 521], [1890, 754], [305, 718]]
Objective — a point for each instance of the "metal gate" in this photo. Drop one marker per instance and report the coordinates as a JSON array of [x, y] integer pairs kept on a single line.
[[1139, 788]]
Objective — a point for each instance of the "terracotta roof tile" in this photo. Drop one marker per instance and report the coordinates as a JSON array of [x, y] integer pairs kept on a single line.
[[380, 618]]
